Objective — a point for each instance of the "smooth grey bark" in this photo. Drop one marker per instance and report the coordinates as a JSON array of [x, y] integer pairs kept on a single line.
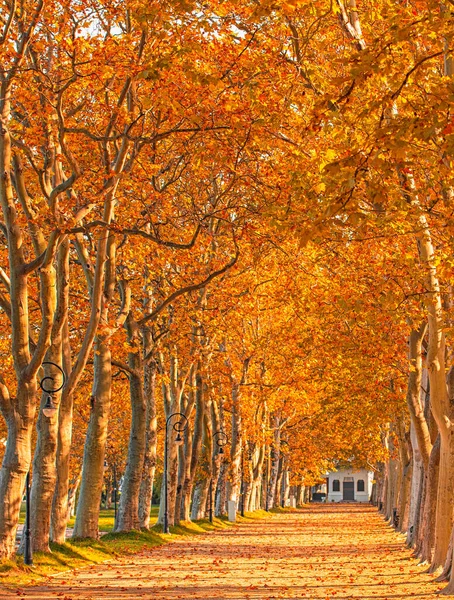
[[221, 492], [236, 447], [430, 502], [59, 514], [149, 463], [256, 474], [87, 513], [415, 490], [128, 510], [275, 454], [193, 455], [406, 466], [73, 487], [173, 384], [200, 501]]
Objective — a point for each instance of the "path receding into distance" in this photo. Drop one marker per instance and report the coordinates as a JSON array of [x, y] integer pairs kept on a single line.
[[328, 552]]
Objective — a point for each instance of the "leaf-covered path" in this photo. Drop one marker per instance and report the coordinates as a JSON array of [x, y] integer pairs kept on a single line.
[[328, 552]]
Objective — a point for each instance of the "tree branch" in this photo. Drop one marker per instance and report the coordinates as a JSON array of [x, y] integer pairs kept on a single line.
[[190, 288]]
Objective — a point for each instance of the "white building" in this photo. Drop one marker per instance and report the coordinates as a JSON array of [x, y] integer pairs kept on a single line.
[[348, 485]]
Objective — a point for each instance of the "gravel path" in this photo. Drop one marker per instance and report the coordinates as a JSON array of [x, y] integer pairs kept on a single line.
[[327, 552]]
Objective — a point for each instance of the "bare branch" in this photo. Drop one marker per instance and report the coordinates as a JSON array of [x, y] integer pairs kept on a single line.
[[124, 367]]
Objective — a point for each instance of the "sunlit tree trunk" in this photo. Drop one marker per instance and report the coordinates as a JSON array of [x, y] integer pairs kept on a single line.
[[87, 513], [430, 503], [149, 464], [18, 409], [128, 510], [274, 460], [236, 447]]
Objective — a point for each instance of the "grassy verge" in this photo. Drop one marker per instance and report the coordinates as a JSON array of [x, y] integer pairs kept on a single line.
[[106, 518], [75, 554]]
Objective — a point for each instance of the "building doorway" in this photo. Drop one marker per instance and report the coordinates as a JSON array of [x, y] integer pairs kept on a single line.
[[348, 489]]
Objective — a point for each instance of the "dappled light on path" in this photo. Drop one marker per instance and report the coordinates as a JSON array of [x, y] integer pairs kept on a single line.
[[327, 552]]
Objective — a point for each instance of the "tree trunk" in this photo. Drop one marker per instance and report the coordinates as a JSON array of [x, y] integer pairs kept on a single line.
[[429, 516], [236, 447], [285, 488], [278, 495], [200, 499], [128, 510], [44, 473], [221, 493], [149, 465], [87, 513], [14, 470], [415, 490], [274, 459], [73, 487], [59, 516], [195, 447]]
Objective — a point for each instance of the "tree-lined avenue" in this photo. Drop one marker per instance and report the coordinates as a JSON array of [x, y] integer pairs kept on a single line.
[[324, 552]]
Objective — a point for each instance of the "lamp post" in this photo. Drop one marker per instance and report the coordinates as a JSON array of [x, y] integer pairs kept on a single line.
[[28, 554], [49, 409], [221, 440], [179, 426], [115, 492]]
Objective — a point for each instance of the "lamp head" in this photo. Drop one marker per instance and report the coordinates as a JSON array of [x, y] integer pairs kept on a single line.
[[178, 440], [49, 409], [221, 450]]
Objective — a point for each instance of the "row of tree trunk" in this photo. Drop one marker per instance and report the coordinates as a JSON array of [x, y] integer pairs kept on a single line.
[[415, 485]]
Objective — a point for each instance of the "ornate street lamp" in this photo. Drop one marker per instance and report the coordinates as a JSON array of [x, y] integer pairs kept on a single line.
[[179, 426], [221, 439], [115, 485], [49, 409]]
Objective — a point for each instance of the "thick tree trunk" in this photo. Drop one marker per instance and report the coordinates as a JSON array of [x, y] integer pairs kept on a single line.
[[274, 460], [44, 466], [406, 457], [44, 472], [149, 465], [192, 460], [200, 500], [199, 503], [256, 479], [236, 446], [439, 399], [186, 489], [415, 490], [128, 510], [12, 476], [19, 411], [285, 487], [430, 502], [87, 514], [95, 283], [278, 495], [59, 516]]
